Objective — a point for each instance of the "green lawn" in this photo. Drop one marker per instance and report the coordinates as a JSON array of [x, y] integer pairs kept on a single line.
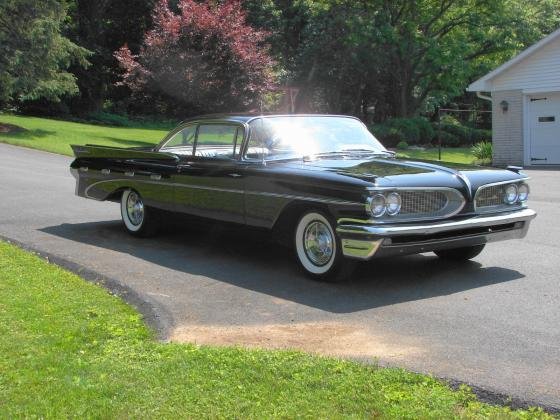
[[450, 154], [56, 136], [70, 349]]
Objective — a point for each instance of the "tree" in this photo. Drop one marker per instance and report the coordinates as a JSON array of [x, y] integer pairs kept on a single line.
[[102, 26], [395, 58], [203, 59], [34, 56]]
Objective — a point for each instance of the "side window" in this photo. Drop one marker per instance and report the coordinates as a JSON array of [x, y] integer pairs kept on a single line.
[[218, 141], [182, 139]]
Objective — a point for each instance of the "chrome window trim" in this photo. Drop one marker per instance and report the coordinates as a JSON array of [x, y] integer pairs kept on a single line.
[[397, 219], [199, 122], [171, 134], [256, 117], [502, 207]]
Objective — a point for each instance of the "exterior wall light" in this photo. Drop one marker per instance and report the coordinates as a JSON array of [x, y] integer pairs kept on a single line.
[[504, 105]]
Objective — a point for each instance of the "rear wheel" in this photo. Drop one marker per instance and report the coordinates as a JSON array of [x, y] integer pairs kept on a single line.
[[138, 219], [318, 250], [460, 254]]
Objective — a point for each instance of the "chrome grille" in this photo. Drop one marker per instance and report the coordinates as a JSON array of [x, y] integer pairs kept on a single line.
[[490, 196], [422, 202]]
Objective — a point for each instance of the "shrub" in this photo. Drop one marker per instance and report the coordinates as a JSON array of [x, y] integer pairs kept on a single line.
[[389, 136], [447, 139], [479, 135], [108, 118], [425, 130], [403, 145], [482, 151], [205, 57], [410, 130], [465, 135]]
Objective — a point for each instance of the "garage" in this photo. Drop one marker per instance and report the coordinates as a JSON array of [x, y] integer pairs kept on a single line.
[[525, 95]]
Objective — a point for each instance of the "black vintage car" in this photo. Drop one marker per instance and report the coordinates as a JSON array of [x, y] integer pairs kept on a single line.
[[321, 181]]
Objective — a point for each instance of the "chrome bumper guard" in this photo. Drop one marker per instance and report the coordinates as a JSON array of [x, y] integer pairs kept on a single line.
[[363, 241]]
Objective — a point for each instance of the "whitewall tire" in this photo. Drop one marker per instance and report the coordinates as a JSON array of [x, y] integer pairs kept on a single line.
[[138, 219], [318, 248]]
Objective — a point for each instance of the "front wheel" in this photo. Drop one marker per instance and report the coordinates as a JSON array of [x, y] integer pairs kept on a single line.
[[138, 219], [318, 250], [460, 254]]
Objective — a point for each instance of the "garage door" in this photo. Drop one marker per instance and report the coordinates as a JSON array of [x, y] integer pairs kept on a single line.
[[544, 129]]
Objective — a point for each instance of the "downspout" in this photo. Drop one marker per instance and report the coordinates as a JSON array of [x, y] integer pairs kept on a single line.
[[481, 96]]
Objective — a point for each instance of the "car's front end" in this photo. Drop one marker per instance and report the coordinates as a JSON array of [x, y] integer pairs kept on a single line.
[[407, 220]]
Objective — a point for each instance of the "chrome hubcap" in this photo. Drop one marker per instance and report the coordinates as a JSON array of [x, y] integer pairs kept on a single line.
[[135, 208], [318, 243]]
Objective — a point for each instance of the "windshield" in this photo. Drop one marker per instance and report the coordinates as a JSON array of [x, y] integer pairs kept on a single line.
[[308, 136]]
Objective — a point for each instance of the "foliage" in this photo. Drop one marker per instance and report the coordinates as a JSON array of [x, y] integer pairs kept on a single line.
[[377, 59], [410, 130], [204, 59], [103, 26], [447, 139], [70, 349], [483, 151], [122, 120], [402, 145], [396, 58], [457, 134], [34, 56]]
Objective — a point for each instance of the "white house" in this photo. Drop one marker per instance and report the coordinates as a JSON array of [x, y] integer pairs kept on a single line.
[[525, 94]]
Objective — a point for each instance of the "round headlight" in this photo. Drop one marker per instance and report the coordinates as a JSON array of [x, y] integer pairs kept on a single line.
[[510, 196], [523, 192], [393, 204], [377, 205]]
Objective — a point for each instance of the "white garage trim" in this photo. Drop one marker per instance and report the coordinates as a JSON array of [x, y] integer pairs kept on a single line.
[[526, 132]]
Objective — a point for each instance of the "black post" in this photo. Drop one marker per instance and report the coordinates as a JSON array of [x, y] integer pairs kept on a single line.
[[439, 133]]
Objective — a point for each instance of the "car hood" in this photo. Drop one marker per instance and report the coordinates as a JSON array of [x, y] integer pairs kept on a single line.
[[394, 172]]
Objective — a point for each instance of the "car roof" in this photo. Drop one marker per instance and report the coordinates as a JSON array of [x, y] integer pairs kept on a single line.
[[247, 117]]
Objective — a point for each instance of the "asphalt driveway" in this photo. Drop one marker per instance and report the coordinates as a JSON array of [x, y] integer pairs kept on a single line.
[[493, 323]]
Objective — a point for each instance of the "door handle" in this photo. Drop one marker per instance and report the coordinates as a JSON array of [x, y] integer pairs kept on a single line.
[[234, 175], [155, 177]]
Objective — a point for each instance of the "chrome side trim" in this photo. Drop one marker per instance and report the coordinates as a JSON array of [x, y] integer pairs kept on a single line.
[[297, 197], [228, 190], [523, 215], [372, 189]]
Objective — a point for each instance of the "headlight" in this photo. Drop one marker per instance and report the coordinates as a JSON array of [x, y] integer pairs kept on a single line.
[[377, 205], [393, 205], [523, 192], [510, 196]]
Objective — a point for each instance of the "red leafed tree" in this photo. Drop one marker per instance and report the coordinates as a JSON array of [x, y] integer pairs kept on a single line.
[[203, 59]]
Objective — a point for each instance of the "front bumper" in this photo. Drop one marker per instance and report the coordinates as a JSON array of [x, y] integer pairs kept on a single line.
[[364, 241]]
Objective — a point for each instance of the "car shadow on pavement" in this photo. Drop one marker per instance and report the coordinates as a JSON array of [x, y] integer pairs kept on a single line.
[[248, 259]]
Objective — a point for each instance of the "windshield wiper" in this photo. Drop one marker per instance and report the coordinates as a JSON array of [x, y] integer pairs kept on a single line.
[[349, 153]]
